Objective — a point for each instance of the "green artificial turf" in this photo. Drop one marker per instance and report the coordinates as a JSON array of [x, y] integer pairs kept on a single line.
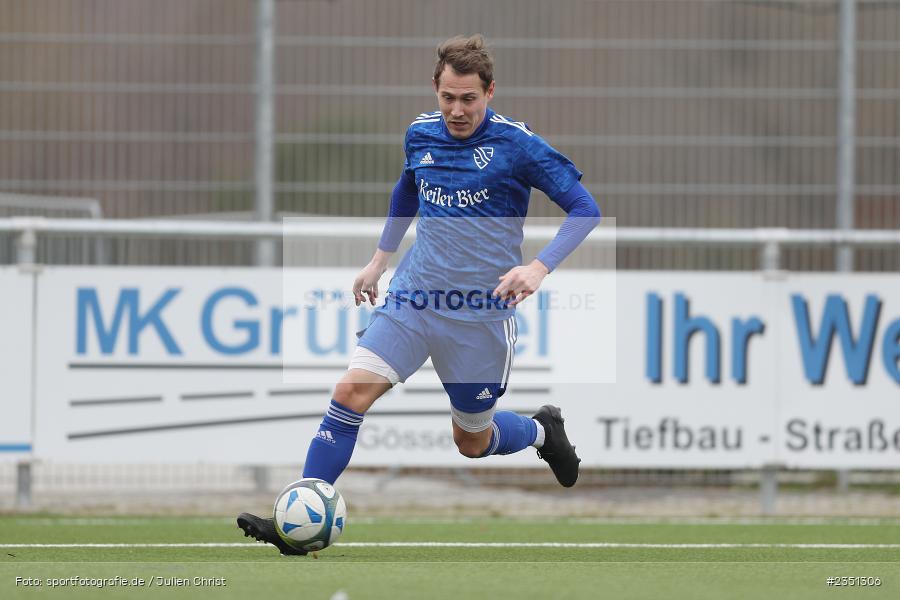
[[454, 572]]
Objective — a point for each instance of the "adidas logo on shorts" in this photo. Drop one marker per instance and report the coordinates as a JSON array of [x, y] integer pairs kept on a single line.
[[485, 394], [325, 436], [427, 160]]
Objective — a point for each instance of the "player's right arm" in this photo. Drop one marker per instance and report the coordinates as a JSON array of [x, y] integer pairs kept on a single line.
[[367, 280], [404, 206]]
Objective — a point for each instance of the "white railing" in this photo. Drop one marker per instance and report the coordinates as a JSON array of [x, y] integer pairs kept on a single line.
[[770, 241]]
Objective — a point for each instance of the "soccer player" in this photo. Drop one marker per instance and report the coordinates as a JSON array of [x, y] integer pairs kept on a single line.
[[468, 174]]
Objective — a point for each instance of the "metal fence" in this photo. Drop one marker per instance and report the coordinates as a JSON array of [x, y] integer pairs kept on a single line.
[[718, 114], [57, 251], [681, 113], [331, 242]]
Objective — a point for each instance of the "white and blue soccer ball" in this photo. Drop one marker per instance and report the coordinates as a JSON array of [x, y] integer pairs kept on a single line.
[[310, 514]]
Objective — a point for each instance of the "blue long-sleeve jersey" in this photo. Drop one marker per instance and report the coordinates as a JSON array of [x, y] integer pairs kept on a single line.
[[484, 182]]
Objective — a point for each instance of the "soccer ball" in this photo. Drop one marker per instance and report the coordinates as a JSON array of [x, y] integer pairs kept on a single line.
[[310, 514]]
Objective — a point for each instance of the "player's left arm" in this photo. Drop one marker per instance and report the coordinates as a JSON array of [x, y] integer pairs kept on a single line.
[[583, 216]]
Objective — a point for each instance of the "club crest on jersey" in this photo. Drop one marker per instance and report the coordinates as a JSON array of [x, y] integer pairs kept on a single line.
[[482, 156]]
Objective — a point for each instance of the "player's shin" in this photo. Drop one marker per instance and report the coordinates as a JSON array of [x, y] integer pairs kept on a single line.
[[510, 433], [330, 450]]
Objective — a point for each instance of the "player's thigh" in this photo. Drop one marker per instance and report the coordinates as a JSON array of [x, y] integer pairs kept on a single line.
[[395, 337], [473, 361]]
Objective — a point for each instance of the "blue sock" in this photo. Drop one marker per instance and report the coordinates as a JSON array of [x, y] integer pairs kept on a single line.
[[511, 433], [330, 451]]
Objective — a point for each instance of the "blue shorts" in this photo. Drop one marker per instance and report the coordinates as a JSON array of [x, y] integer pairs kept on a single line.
[[472, 359]]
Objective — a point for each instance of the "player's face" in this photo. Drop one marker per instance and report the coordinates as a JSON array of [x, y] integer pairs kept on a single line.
[[463, 101]]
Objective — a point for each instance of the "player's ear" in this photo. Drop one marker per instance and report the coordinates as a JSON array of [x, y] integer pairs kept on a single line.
[[490, 91], [435, 84]]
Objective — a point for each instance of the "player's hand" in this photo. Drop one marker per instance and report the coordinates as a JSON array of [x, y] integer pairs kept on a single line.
[[367, 283], [520, 282]]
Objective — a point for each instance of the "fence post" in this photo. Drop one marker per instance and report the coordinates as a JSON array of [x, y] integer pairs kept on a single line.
[[26, 258], [843, 480], [23, 484], [261, 478], [265, 125], [770, 256], [768, 489], [846, 129], [770, 263], [265, 166], [846, 150], [26, 248]]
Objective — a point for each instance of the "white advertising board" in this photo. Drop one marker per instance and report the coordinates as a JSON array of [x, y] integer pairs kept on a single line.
[[839, 402], [800, 371], [238, 365], [16, 306], [677, 401], [652, 369]]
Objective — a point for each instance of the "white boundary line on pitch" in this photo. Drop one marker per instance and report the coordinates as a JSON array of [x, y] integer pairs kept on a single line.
[[800, 521], [475, 545], [122, 522]]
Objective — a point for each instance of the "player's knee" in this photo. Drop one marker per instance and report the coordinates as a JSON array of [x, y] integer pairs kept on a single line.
[[471, 447]]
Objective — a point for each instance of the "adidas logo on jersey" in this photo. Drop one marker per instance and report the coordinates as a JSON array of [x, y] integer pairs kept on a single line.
[[427, 160], [485, 394], [325, 436]]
